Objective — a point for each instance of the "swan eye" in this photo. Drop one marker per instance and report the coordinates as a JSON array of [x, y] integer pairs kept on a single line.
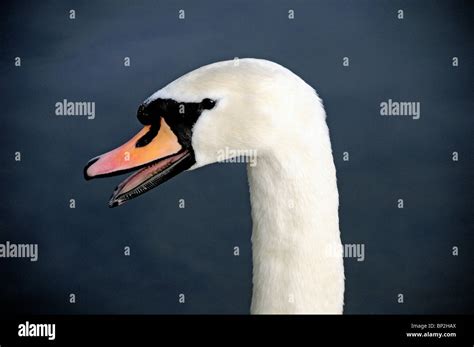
[[208, 104]]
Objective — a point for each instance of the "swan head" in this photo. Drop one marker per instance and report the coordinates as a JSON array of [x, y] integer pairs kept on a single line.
[[245, 105]]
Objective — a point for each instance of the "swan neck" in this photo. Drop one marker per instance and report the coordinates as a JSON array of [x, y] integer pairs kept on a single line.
[[297, 251]]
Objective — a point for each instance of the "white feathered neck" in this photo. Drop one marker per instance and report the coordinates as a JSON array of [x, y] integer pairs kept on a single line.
[[297, 251]]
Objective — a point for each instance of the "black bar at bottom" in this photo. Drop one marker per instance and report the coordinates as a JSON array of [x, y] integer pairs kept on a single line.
[[69, 330]]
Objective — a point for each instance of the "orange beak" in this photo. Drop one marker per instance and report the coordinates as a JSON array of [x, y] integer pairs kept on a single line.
[[128, 156], [161, 158]]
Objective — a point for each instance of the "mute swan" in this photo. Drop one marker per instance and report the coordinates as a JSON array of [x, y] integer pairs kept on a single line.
[[251, 105]]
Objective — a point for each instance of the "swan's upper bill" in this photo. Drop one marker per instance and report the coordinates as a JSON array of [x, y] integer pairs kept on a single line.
[[245, 104]]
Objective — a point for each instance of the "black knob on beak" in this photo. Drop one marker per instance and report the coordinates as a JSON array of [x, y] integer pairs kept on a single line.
[[143, 116]]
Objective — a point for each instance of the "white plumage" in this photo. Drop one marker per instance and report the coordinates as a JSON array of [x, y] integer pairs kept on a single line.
[[262, 106]]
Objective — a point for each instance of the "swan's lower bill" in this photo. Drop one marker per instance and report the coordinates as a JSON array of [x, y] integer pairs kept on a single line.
[[150, 176]]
